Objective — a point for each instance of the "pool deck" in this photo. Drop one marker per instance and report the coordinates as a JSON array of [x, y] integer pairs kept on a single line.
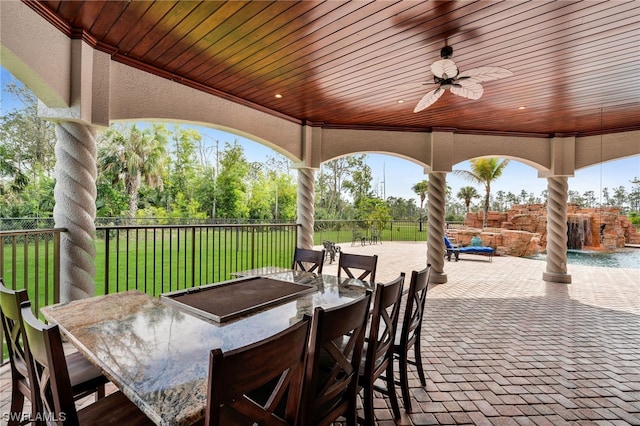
[[503, 347]]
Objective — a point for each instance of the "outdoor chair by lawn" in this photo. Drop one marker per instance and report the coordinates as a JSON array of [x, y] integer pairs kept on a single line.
[[472, 249], [359, 235], [331, 250]]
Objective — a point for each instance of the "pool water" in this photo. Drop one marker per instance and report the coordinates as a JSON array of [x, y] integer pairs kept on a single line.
[[622, 258]]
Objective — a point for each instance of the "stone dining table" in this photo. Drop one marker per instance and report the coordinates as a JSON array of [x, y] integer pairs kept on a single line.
[[157, 354]]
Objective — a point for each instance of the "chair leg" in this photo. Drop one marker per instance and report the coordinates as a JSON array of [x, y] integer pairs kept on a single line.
[[100, 392], [417, 354], [404, 380], [352, 415], [391, 391], [367, 405], [17, 404]]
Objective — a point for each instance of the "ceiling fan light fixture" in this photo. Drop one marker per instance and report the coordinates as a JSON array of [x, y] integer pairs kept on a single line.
[[446, 52], [465, 84]]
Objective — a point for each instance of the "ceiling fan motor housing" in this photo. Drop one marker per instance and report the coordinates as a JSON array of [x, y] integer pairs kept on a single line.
[[446, 52]]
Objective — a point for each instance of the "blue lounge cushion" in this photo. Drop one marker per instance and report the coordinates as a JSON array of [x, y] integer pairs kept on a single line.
[[452, 250], [470, 249], [448, 244]]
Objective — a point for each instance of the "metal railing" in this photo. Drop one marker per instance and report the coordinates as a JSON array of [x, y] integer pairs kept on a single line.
[[151, 259], [342, 231], [162, 258], [30, 260]]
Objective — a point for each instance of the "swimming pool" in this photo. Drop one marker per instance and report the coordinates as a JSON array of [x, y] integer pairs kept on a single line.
[[622, 258]]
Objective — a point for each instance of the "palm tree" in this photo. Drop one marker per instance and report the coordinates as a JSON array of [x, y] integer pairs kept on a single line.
[[134, 155], [467, 193], [421, 188], [484, 170]]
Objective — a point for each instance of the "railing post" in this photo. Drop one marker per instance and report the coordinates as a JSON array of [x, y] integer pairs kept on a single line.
[[56, 267], [193, 256], [106, 260], [296, 232], [253, 247]]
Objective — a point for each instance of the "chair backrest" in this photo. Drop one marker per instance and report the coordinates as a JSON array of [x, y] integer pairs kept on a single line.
[[46, 354], [314, 259], [10, 301], [414, 308], [333, 362], [384, 323], [253, 383], [447, 243], [366, 263]]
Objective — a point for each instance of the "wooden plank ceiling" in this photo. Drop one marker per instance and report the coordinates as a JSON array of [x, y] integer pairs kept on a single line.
[[575, 64]]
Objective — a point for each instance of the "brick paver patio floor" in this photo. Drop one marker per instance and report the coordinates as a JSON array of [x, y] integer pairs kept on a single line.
[[503, 347]]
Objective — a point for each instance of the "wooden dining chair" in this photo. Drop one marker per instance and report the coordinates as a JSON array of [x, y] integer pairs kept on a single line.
[[259, 383], [408, 336], [378, 354], [308, 260], [333, 362], [85, 378], [49, 373], [366, 264]]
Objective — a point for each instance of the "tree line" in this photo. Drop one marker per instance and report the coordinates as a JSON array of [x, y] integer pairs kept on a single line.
[[151, 170]]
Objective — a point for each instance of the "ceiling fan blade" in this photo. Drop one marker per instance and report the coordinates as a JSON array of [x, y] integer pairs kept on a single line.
[[444, 68], [484, 74], [467, 89], [428, 99]]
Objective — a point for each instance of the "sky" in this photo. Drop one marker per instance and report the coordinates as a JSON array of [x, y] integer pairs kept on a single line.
[[393, 176]]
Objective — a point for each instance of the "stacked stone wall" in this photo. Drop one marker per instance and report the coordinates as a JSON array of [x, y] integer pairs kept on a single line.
[[522, 230]]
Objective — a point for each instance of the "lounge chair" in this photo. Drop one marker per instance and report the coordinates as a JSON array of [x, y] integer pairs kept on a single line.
[[455, 250]]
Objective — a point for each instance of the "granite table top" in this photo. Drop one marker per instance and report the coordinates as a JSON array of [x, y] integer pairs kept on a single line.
[[158, 354]]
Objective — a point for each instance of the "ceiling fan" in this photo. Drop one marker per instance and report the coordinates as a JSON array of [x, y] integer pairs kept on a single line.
[[466, 84]]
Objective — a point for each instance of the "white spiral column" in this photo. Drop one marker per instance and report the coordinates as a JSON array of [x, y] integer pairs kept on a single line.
[[436, 202], [306, 209], [75, 208], [557, 187]]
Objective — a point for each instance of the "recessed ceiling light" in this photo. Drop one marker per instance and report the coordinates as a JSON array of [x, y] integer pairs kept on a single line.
[[522, 107], [400, 101], [278, 95]]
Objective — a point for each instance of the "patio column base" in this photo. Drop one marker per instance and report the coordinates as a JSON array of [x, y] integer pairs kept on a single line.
[[556, 277], [437, 277]]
